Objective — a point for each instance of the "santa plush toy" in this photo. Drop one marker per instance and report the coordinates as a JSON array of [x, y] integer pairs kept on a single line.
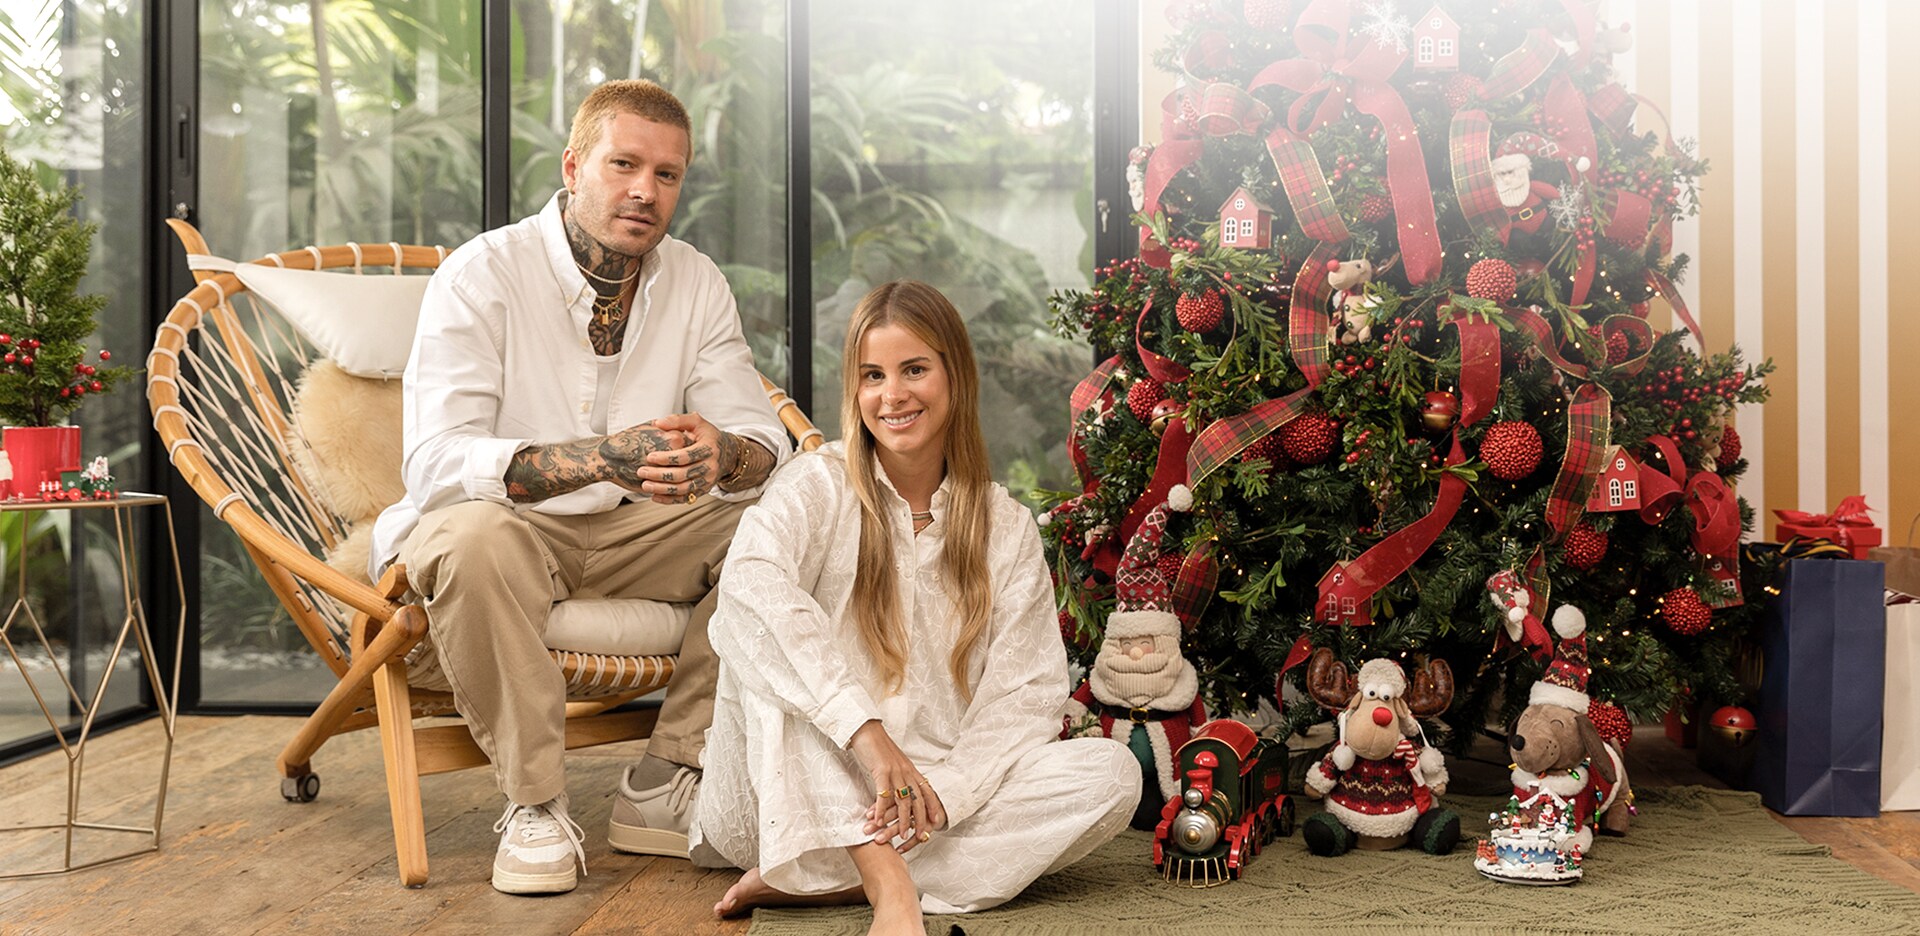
[[1524, 197], [1145, 694]]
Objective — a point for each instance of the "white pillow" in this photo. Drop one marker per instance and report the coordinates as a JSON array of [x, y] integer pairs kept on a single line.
[[617, 626], [364, 322]]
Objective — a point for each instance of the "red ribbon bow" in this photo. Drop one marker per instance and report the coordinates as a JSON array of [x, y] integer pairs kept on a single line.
[[1851, 511], [1716, 512]]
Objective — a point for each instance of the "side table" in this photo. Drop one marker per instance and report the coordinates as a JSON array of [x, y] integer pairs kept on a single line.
[[22, 625]]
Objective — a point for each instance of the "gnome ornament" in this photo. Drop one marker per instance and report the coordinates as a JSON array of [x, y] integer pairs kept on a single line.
[[1524, 197], [1556, 747], [1145, 694]]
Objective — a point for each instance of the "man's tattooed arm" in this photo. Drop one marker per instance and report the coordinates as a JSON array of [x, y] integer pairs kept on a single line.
[[748, 463], [539, 472]]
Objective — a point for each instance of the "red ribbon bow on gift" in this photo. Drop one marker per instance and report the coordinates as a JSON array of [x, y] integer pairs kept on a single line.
[[1852, 511]]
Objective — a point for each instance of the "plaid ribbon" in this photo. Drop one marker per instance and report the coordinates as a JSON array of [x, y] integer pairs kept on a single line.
[[1583, 31], [1307, 337], [1306, 187], [1666, 289], [1614, 107], [1158, 366], [1521, 67], [1639, 330], [1225, 110], [1208, 54], [1469, 144], [1193, 588], [1589, 425], [1085, 394]]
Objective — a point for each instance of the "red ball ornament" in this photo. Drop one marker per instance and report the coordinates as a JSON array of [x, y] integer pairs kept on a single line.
[[1310, 439], [96, 386], [1685, 612], [106, 355], [1200, 313], [1612, 723], [1268, 15], [26, 360], [1733, 723], [1461, 89], [1267, 449], [1493, 279], [1375, 209], [1511, 449], [1169, 565], [5, 339], [1584, 547], [1729, 448], [1439, 410], [1142, 396]]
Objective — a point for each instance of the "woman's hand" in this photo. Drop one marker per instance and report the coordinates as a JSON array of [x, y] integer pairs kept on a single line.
[[912, 818]]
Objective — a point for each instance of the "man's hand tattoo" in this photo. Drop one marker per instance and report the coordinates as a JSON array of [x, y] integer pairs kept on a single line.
[[746, 463], [540, 472]]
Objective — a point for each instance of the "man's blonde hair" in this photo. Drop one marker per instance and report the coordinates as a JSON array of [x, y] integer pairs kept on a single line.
[[636, 96]]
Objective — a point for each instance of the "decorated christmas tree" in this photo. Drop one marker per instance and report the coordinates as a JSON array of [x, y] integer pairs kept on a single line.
[[44, 320], [1390, 324]]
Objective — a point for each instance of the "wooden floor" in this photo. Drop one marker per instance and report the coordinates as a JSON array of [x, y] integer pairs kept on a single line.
[[237, 859]]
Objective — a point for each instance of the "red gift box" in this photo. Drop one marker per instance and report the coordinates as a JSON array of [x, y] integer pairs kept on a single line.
[[1848, 525]]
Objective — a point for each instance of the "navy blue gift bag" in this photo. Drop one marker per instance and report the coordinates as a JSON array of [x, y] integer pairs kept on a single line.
[[1821, 698]]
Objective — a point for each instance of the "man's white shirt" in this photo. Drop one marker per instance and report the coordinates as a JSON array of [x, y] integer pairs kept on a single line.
[[501, 361]]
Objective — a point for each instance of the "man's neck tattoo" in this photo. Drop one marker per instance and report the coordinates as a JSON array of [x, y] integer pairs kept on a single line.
[[607, 271]]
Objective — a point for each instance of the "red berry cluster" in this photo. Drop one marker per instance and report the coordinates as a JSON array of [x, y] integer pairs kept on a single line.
[[1511, 449], [1353, 364], [1268, 15], [1310, 439], [1359, 445], [1584, 547], [1610, 721], [1375, 209], [1685, 612], [1729, 448], [19, 355], [1201, 313], [1493, 279], [1343, 166], [1671, 386]]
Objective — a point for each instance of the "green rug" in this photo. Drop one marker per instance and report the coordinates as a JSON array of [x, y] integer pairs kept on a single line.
[[1697, 861]]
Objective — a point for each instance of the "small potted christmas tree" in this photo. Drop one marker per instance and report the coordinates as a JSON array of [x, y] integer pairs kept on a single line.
[[45, 322]]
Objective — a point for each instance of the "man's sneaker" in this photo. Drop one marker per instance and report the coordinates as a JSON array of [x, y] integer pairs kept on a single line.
[[540, 850], [654, 821]]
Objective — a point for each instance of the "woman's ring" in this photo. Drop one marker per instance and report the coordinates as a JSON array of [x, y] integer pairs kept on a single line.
[[925, 835], [905, 792], [883, 794]]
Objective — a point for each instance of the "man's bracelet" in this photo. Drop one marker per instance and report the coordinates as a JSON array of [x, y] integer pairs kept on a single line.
[[739, 468]]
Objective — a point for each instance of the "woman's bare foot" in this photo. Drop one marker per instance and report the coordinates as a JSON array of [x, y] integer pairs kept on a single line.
[[898, 917], [751, 891], [889, 887]]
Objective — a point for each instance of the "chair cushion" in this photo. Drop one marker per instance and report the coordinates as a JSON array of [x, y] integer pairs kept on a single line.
[[365, 323], [617, 626]]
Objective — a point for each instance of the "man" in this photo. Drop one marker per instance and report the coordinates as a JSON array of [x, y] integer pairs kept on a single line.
[[578, 382]]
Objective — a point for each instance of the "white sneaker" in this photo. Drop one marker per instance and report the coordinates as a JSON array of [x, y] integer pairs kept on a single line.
[[653, 821], [540, 849]]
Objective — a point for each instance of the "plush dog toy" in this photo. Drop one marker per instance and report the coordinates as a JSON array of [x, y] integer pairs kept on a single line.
[[1380, 779], [1556, 747]]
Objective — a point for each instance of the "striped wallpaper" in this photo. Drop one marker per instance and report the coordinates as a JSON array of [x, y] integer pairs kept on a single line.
[[1793, 251]]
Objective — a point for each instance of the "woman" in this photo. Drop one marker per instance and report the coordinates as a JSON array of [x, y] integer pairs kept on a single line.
[[891, 670]]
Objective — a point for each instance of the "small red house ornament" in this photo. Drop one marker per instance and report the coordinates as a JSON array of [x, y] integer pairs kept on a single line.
[[1436, 41], [1618, 486], [1342, 601], [1245, 223]]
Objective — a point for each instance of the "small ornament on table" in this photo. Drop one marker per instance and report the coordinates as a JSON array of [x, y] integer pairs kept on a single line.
[[1733, 723], [96, 480], [1439, 410]]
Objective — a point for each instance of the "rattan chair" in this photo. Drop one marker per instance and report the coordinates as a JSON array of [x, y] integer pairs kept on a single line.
[[221, 384]]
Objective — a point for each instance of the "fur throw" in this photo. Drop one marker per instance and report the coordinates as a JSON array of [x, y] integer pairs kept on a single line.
[[351, 426]]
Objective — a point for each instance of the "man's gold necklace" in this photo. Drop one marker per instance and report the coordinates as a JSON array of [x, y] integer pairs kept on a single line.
[[608, 306]]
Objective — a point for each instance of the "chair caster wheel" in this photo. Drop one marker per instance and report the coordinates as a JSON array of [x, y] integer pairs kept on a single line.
[[301, 789]]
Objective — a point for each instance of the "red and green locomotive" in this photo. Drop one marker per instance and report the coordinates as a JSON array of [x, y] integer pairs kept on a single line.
[[1229, 807]]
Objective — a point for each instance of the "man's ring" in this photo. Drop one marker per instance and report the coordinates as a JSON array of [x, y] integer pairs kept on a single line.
[[905, 792]]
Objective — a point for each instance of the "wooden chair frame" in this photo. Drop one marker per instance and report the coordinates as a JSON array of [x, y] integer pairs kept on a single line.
[[368, 655]]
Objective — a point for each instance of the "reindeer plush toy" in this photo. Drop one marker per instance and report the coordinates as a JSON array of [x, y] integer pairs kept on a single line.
[[1380, 780], [1555, 745]]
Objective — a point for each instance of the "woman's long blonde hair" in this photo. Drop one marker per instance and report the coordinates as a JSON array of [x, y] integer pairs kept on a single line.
[[923, 311]]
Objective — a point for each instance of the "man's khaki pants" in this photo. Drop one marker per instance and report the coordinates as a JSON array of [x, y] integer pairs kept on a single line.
[[489, 576]]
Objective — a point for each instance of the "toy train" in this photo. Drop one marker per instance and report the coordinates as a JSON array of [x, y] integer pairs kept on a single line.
[[1229, 807]]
